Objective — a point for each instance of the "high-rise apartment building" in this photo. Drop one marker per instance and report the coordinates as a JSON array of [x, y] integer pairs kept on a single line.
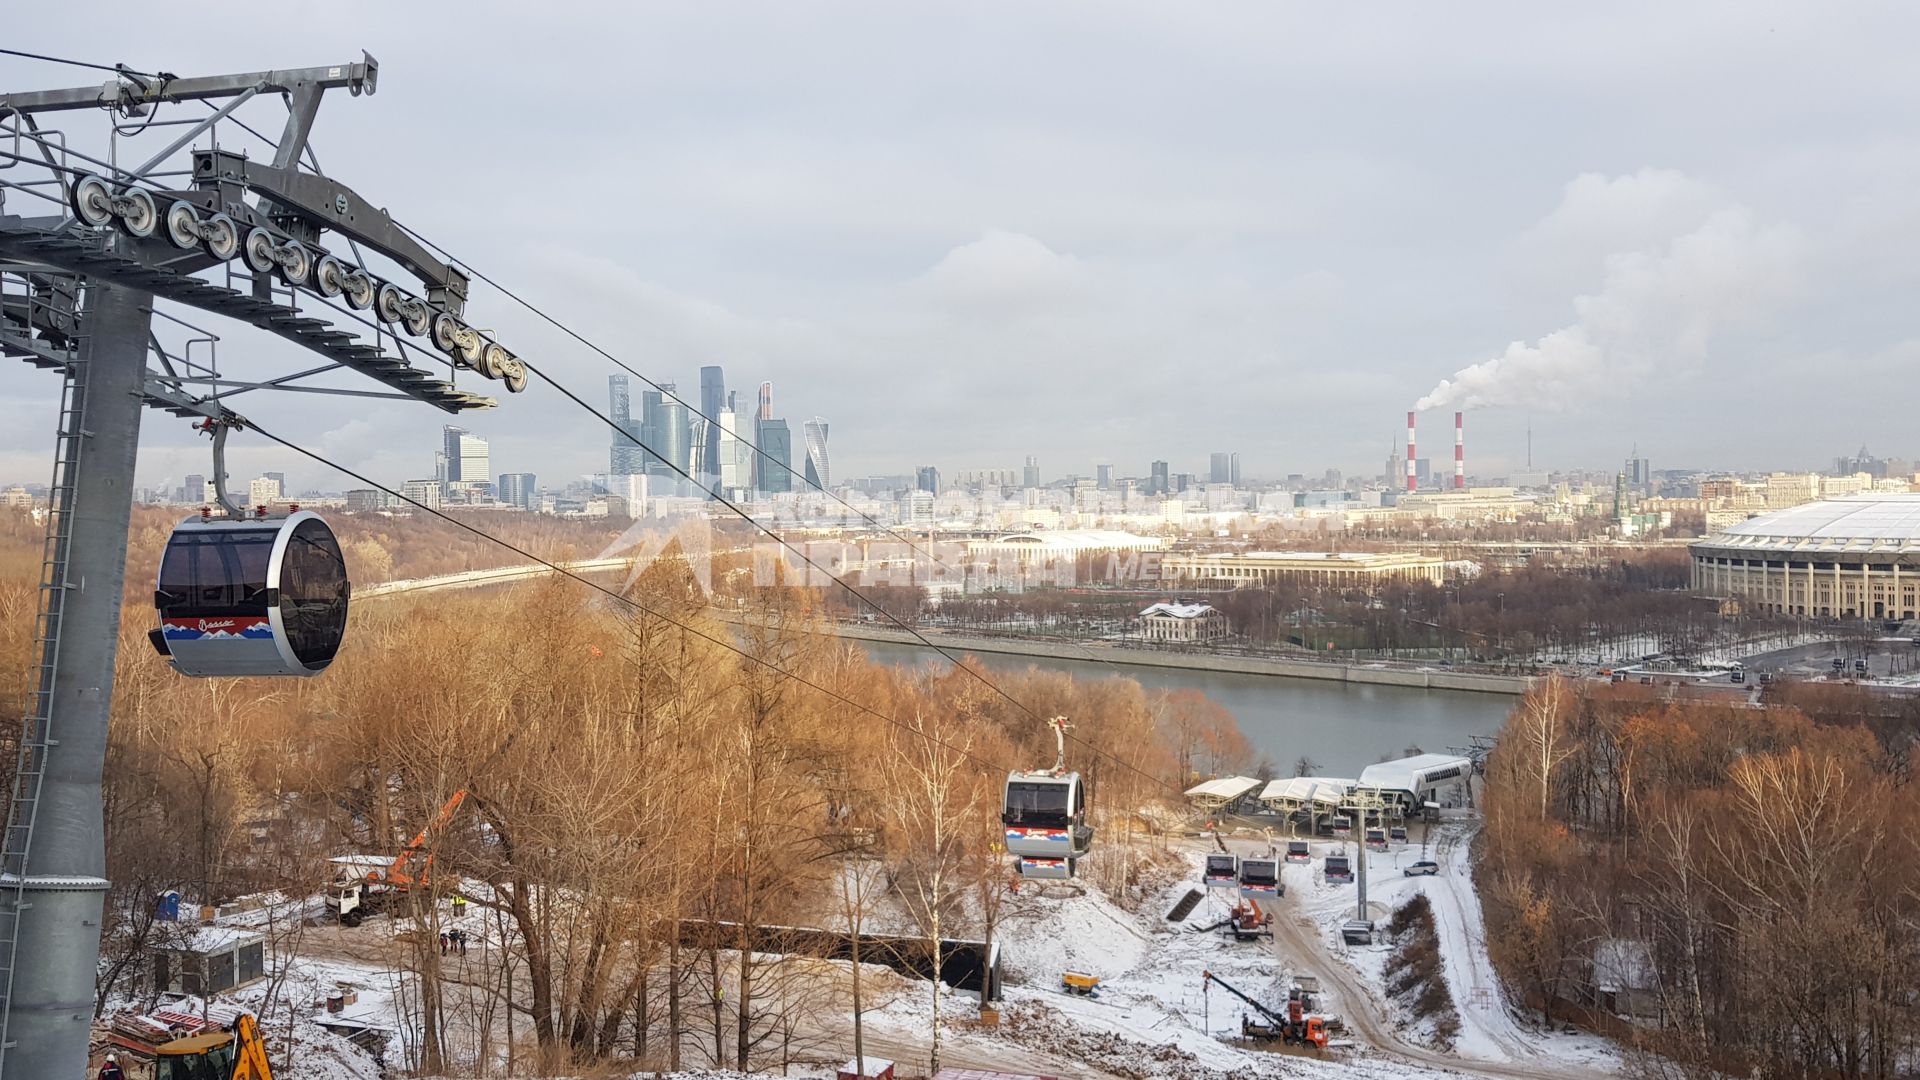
[[466, 457], [1233, 468], [713, 400], [1103, 477], [776, 464], [819, 471], [1157, 479], [1220, 468], [1031, 478], [263, 490], [735, 452], [194, 488], [626, 456], [424, 492], [519, 489]]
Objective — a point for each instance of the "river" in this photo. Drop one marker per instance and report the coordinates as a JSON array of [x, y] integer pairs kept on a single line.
[[1343, 726]]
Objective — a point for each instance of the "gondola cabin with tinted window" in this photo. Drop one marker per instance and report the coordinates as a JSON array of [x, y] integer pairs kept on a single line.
[[1260, 880], [254, 595], [1222, 871], [1044, 815]]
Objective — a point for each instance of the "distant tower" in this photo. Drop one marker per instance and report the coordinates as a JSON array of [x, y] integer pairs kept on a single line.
[[819, 471], [626, 456], [1459, 451], [766, 401], [713, 400], [1032, 477], [1413, 474]]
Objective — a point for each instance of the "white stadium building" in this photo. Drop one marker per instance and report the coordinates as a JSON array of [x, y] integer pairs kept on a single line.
[[1854, 557]]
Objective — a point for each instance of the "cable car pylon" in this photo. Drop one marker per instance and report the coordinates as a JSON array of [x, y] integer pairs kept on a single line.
[[1044, 813], [246, 239]]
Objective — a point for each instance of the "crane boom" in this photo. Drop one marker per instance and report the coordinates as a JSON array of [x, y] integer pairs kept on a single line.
[[397, 872], [1208, 976]]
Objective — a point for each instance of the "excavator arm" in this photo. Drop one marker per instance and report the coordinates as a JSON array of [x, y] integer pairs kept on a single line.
[[397, 873], [250, 1059]]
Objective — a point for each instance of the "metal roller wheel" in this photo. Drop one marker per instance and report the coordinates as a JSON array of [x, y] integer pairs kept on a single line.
[[387, 303], [222, 237], [417, 317], [140, 217], [259, 251], [446, 332], [473, 349], [296, 262], [183, 225], [359, 290], [515, 376], [493, 361], [93, 200], [329, 277]]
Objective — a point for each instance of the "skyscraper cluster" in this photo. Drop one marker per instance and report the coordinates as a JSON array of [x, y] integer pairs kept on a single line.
[[724, 447]]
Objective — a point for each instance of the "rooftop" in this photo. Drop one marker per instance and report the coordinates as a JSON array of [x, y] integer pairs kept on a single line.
[[1401, 775], [1179, 611], [1227, 788], [1859, 521]]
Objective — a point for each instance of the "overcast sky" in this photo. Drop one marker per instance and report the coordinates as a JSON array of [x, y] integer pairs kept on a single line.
[[1115, 232]]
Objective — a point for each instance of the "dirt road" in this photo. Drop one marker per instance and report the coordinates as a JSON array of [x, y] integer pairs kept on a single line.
[[1298, 942]]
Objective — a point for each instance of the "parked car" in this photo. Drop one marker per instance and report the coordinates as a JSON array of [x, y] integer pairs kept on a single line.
[[1425, 866]]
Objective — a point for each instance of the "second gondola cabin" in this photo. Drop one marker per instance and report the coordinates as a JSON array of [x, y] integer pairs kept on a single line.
[[251, 596], [1044, 814], [1222, 870]]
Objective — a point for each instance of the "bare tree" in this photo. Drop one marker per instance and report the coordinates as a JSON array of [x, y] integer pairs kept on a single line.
[[931, 794]]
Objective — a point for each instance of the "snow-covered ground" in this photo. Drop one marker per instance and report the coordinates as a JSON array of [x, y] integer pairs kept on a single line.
[[1155, 1017], [1489, 1031]]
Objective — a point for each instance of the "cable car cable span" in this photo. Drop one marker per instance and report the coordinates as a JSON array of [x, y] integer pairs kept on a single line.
[[857, 594], [748, 518], [619, 598], [694, 410]]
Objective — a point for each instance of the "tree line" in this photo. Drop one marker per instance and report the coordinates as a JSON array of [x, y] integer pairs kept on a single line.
[[1743, 879], [627, 773]]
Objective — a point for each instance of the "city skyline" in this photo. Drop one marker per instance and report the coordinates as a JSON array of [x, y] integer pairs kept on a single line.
[[1107, 264]]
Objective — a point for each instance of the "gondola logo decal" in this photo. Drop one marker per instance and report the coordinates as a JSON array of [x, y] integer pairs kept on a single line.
[[1036, 834], [253, 628]]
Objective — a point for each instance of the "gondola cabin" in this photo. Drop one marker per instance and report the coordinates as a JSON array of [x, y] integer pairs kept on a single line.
[[1222, 871], [1338, 869], [251, 596], [1343, 826], [1044, 815], [1260, 880], [1297, 851], [1398, 834], [1377, 839]]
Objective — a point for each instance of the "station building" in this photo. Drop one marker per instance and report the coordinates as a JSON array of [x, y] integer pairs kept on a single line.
[[1856, 557]]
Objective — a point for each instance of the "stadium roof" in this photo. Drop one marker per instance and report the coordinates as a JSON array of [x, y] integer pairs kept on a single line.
[[1858, 522]]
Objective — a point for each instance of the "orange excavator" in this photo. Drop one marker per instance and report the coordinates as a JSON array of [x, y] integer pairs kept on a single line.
[[365, 883]]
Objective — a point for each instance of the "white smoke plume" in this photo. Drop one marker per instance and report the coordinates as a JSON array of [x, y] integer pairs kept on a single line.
[[1657, 310]]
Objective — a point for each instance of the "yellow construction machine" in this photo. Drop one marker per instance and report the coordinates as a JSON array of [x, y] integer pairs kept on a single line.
[[216, 1055]]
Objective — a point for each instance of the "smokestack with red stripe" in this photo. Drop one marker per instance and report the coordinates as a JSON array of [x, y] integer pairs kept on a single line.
[[1413, 474], [1459, 451]]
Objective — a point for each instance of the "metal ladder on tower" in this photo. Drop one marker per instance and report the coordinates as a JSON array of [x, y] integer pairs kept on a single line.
[[36, 733]]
